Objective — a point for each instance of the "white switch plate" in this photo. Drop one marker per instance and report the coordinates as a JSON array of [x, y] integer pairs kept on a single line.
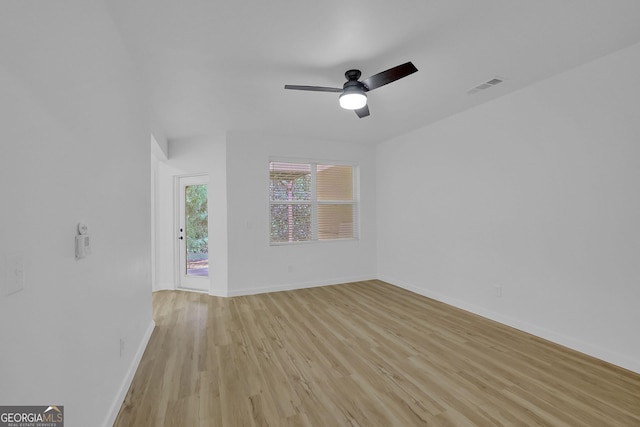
[[14, 273]]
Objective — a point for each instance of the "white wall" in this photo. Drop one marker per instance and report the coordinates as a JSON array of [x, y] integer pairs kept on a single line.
[[537, 192], [254, 266], [75, 147], [186, 157], [241, 260]]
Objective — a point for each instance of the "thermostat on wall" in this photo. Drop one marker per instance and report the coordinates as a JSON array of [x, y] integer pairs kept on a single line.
[[82, 228], [83, 242]]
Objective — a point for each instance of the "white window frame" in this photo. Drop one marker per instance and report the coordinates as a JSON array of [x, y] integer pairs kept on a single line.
[[314, 202]]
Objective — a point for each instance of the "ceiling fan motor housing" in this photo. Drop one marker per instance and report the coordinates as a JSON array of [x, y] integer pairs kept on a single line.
[[352, 85], [353, 96], [353, 74]]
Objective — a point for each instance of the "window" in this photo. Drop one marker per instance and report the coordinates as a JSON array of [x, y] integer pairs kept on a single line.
[[312, 201]]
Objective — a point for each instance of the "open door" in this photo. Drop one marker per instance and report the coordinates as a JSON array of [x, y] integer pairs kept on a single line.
[[193, 232]]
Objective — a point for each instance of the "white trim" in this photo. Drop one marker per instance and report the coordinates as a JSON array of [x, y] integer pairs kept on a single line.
[[312, 160], [164, 286], [314, 242], [153, 160], [617, 359], [176, 226], [218, 293], [195, 291], [296, 286], [314, 203], [126, 382]]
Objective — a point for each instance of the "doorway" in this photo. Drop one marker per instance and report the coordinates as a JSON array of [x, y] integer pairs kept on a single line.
[[193, 232]]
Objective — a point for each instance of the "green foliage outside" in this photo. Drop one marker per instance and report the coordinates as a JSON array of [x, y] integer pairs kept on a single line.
[[197, 220]]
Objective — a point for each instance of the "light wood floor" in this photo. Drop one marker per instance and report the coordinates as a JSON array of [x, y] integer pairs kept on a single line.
[[361, 354]]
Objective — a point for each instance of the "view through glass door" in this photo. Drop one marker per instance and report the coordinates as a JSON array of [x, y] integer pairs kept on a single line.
[[193, 234]]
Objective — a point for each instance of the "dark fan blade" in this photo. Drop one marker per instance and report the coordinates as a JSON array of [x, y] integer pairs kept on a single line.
[[314, 88], [363, 112], [391, 75]]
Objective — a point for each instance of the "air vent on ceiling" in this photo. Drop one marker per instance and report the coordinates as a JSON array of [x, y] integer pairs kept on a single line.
[[486, 85]]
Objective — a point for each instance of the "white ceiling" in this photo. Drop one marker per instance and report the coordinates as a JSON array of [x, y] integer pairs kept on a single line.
[[215, 66]]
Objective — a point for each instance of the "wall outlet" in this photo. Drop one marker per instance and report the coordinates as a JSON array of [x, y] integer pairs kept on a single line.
[[122, 342], [498, 291]]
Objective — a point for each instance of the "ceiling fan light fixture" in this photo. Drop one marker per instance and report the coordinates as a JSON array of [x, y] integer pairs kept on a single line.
[[353, 93], [353, 99]]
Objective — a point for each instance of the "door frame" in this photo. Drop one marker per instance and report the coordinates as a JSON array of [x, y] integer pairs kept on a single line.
[[190, 283]]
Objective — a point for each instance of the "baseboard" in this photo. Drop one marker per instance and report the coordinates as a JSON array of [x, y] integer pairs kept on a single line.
[[126, 382], [163, 286], [622, 361], [295, 286], [216, 292]]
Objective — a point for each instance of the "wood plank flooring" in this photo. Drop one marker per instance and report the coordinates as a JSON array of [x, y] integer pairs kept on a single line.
[[361, 354]]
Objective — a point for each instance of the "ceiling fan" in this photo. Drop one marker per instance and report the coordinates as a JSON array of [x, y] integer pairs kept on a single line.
[[353, 93]]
